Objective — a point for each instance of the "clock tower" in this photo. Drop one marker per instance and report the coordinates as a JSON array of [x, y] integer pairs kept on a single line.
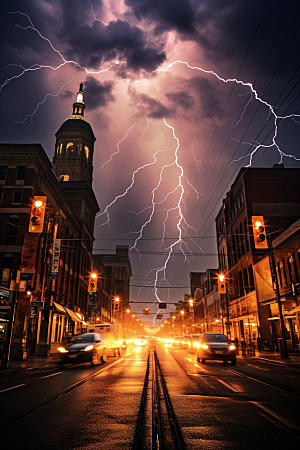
[[74, 147]]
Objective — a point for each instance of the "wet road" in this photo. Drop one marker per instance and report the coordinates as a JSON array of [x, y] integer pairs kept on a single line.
[[253, 405]]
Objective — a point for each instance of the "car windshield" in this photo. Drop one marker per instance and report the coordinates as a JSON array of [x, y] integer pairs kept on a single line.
[[214, 338], [84, 338]]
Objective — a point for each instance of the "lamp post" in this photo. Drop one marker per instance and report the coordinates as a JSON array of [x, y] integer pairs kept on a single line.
[[181, 316]]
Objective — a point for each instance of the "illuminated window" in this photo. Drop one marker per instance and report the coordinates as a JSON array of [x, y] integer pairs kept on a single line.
[[75, 110], [86, 149], [64, 178], [80, 111], [57, 150], [70, 144], [60, 148]]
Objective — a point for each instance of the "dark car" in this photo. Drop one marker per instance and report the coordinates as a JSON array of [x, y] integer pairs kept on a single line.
[[215, 346], [88, 347]]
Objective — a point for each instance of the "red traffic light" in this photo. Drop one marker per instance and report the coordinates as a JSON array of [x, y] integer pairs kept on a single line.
[[37, 214], [259, 232]]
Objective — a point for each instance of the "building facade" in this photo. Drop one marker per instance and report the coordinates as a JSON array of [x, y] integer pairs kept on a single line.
[[58, 301], [253, 193]]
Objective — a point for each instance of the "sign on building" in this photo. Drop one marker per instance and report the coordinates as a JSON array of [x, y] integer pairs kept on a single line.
[[55, 258]]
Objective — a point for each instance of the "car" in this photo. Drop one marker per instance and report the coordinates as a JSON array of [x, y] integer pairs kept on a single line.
[[193, 342], [176, 341], [89, 347], [141, 341], [216, 346], [184, 341]]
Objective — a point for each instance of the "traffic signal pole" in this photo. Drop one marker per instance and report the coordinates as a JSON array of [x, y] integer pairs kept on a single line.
[[283, 350]]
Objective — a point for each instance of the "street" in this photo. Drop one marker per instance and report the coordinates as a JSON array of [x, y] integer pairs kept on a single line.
[[254, 404]]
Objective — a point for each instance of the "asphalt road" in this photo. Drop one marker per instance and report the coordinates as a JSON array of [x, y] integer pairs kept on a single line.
[[254, 405]]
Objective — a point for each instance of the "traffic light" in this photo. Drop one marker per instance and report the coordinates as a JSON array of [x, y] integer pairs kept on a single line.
[[92, 283], [37, 215], [221, 284], [259, 232], [146, 311]]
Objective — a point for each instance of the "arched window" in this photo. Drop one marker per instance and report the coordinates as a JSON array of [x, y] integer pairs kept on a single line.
[[60, 148], [279, 274], [283, 271], [69, 146], [86, 149], [64, 178]]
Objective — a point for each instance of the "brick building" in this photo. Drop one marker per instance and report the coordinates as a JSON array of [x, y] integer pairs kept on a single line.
[[25, 172], [273, 193]]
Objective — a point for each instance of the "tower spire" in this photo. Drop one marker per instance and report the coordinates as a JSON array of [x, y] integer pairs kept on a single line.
[[78, 106]]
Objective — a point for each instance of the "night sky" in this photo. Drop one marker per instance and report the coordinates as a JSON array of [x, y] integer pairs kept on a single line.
[[172, 132]]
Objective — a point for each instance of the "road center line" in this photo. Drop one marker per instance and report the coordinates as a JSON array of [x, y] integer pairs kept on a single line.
[[228, 385], [52, 375], [14, 387]]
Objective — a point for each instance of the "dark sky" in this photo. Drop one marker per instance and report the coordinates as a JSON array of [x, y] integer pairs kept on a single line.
[[172, 127]]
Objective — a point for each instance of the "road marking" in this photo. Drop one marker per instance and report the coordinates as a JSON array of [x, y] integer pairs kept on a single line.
[[285, 422], [201, 368], [188, 359], [53, 374], [14, 387], [108, 367], [257, 367], [228, 385]]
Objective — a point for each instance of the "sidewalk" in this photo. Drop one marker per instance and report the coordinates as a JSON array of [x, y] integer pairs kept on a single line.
[[32, 363], [274, 357]]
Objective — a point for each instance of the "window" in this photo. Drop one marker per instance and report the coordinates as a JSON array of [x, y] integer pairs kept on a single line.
[[64, 178], [13, 226], [283, 272], [86, 149], [279, 274], [246, 236], [21, 173], [3, 170], [17, 196], [251, 278], [69, 146]]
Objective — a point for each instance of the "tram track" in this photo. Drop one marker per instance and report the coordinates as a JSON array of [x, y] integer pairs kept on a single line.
[[156, 406]]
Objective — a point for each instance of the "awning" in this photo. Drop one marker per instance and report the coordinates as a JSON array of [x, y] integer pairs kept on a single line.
[[73, 315], [286, 316], [293, 311], [59, 307]]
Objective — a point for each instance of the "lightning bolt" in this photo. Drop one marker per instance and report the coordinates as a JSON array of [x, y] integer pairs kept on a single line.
[[182, 226]]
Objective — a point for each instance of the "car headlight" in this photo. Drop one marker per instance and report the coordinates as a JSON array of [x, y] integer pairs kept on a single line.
[[62, 350], [205, 346], [232, 347], [196, 344], [88, 348]]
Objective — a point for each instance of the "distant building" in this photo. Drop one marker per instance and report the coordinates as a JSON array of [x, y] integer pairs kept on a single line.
[[121, 266]]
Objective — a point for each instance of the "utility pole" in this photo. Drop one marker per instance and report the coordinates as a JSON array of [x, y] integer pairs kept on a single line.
[[283, 349]]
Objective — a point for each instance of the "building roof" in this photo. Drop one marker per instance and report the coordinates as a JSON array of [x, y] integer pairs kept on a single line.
[[76, 121]]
